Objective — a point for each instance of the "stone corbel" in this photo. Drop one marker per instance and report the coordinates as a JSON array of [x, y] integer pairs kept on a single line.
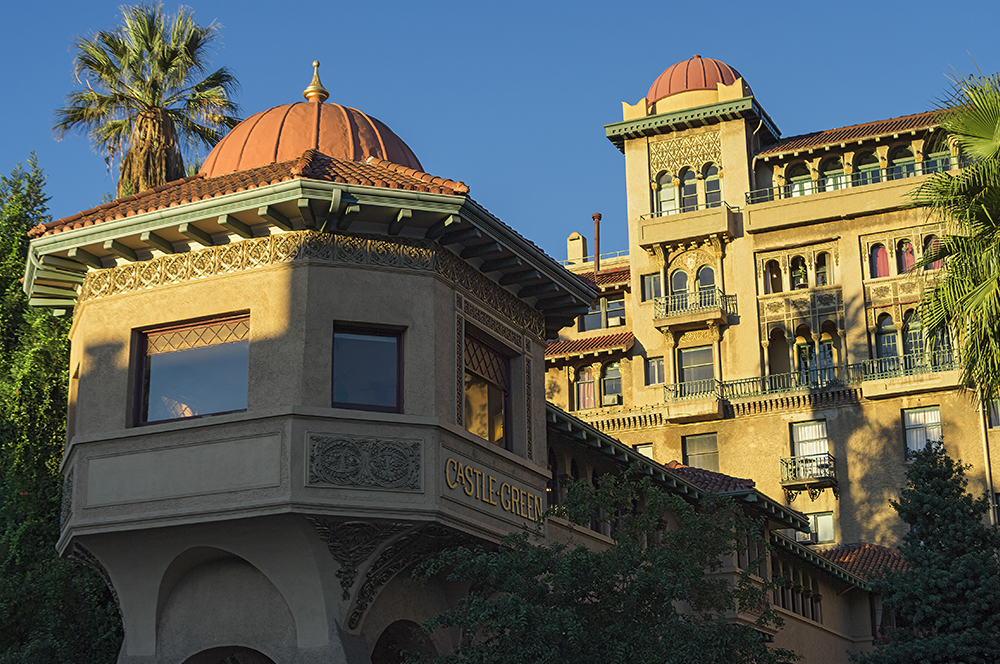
[[658, 252]]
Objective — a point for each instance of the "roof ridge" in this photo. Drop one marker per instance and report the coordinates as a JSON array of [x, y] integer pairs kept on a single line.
[[457, 185], [777, 147]]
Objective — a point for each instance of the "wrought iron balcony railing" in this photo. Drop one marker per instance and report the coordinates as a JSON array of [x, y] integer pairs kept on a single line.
[[692, 302], [690, 207], [827, 378], [858, 178], [695, 389], [809, 467]]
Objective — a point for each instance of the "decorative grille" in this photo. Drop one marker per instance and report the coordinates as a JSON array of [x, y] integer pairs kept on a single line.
[[486, 362], [212, 334]]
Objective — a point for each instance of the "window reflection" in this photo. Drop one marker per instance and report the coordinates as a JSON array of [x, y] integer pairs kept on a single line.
[[366, 370]]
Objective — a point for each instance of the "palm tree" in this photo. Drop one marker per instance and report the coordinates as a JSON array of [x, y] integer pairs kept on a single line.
[[142, 98], [966, 300]]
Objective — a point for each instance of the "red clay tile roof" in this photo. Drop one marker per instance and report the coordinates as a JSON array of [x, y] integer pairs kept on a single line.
[[620, 341], [864, 560], [706, 480], [854, 132], [312, 165], [611, 277]]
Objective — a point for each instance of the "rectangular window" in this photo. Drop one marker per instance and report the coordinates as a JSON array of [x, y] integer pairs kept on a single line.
[[604, 312], [367, 369], [650, 287], [616, 310], [809, 438], [921, 426], [820, 529], [645, 449], [487, 386], [696, 370], [654, 371], [701, 451], [195, 369], [593, 319], [993, 410]]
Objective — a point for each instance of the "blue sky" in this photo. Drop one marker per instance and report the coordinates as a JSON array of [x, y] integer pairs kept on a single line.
[[510, 97]]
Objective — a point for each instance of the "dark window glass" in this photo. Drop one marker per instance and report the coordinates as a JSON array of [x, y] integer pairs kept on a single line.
[[195, 370], [695, 364], [702, 451], [366, 370], [650, 287], [593, 319], [654, 371], [616, 310], [866, 170], [689, 191], [612, 380], [822, 270], [713, 187]]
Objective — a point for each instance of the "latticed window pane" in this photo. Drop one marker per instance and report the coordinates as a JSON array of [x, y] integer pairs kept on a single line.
[[487, 385]]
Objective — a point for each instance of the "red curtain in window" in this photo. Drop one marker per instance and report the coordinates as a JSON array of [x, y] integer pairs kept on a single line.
[[932, 245], [906, 257], [879, 262]]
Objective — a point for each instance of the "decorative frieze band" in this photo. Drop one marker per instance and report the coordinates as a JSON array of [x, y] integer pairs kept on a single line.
[[382, 463], [694, 151], [249, 254]]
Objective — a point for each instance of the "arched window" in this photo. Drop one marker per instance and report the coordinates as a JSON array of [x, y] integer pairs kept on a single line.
[[772, 277], [666, 201], [904, 256], [800, 275], [901, 163], [937, 157], [823, 269], [799, 181], [878, 261], [713, 186], [832, 175], [689, 190], [913, 336], [777, 353], [866, 170], [931, 246], [706, 286], [679, 291], [805, 353], [585, 397], [886, 348], [612, 385]]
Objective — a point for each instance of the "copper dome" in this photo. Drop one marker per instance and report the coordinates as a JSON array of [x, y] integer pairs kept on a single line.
[[285, 132], [698, 73]]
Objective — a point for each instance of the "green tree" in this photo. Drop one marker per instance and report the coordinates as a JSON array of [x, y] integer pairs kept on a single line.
[[144, 95], [655, 596], [966, 301], [946, 604], [51, 610]]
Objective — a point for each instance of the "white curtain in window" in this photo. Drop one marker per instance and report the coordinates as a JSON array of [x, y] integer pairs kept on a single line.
[[921, 426], [809, 438]]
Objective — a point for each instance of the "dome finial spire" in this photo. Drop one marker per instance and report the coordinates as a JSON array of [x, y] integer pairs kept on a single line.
[[316, 92]]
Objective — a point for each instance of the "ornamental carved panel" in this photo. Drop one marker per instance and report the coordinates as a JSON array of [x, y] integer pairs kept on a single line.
[[352, 542], [694, 151], [377, 463], [786, 311]]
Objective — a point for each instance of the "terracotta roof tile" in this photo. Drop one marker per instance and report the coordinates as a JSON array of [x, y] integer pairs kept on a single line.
[[864, 560], [620, 341], [611, 277], [311, 164], [707, 480], [854, 132]]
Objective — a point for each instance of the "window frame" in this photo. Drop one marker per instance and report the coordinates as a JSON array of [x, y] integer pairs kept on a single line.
[[687, 456], [651, 368], [375, 331], [141, 371], [925, 427], [507, 442], [651, 287]]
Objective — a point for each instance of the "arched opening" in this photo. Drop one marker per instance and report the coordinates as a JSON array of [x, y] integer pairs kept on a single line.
[[666, 202], [832, 175], [878, 261], [777, 353], [585, 397], [823, 276], [904, 256], [552, 490], [805, 355], [706, 287], [800, 274], [913, 340], [866, 169], [689, 190], [229, 655], [713, 186], [678, 291], [886, 344], [829, 351], [937, 154], [399, 639], [932, 247], [799, 182], [901, 163], [772, 277], [612, 385]]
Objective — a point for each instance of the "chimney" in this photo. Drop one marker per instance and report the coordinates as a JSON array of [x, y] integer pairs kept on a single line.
[[597, 242]]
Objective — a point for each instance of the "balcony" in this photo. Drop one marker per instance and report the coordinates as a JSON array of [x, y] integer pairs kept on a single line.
[[812, 473], [693, 401], [691, 310], [909, 374], [686, 224], [837, 197]]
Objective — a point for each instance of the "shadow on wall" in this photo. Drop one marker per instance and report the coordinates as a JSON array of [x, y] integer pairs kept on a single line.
[[400, 638]]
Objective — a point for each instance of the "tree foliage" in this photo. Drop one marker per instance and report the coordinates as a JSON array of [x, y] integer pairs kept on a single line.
[[51, 610], [966, 301], [144, 98], [658, 595], [946, 604]]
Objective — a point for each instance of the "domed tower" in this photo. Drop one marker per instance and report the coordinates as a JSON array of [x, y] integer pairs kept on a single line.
[[294, 375]]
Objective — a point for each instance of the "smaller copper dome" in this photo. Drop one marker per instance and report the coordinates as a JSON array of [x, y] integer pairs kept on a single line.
[[285, 132], [698, 73]]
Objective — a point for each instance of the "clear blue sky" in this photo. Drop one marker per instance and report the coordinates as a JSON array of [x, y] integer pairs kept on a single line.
[[511, 96]]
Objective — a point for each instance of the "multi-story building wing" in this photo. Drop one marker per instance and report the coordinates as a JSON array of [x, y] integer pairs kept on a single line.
[[763, 322]]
